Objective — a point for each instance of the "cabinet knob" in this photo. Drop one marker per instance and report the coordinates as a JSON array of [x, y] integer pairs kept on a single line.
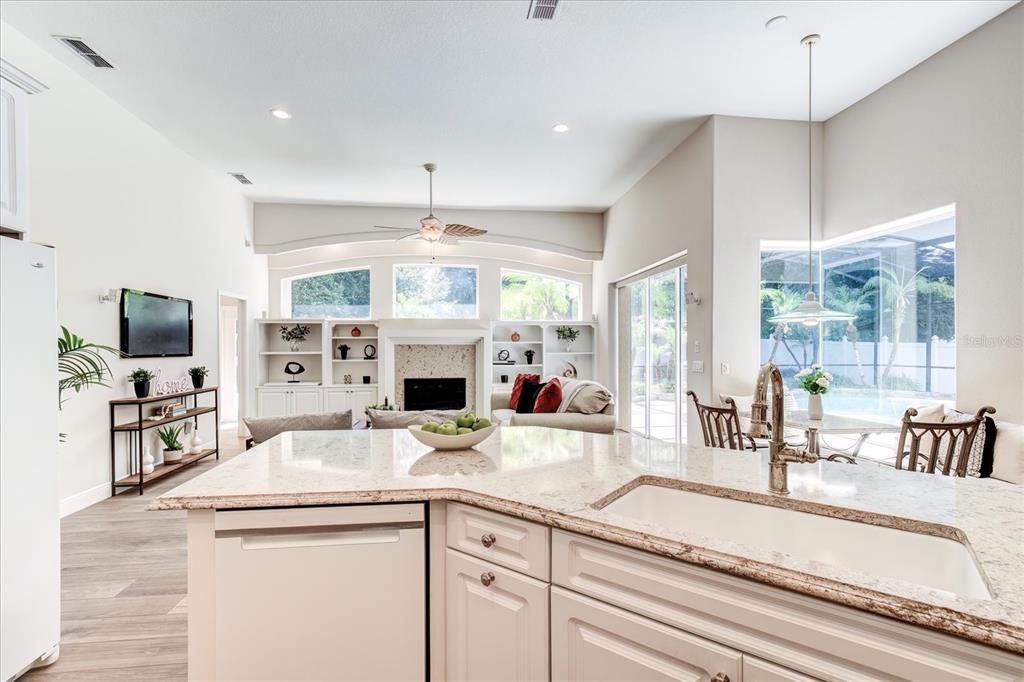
[[487, 578], [720, 677], [488, 539]]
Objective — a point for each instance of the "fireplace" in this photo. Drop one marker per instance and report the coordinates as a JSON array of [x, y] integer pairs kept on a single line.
[[435, 394]]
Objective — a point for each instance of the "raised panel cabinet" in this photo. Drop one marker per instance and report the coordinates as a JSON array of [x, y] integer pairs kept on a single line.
[[496, 622], [305, 401], [282, 402], [594, 641], [13, 157]]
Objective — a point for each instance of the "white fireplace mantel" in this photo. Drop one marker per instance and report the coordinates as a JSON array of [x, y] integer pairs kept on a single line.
[[446, 337]]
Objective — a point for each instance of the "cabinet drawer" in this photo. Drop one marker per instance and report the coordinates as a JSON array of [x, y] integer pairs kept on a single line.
[[503, 540], [496, 622], [594, 641], [756, 670]]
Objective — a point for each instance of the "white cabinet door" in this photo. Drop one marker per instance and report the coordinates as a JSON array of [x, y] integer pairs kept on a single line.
[[361, 398], [594, 641], [274, 402], [338, 400], [496, 622], [13, 157], [305, 401], [756, 670]]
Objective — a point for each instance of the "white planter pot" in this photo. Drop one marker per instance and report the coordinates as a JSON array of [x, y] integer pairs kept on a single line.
[[173, 456], [815, 410]]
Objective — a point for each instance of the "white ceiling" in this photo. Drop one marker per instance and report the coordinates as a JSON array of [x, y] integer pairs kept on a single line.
[[378, 88]]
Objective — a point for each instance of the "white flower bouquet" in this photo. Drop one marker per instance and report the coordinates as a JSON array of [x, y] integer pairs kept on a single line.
[[814, 379]]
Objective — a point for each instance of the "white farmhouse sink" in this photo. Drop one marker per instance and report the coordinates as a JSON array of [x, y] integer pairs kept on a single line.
[[934, 562]]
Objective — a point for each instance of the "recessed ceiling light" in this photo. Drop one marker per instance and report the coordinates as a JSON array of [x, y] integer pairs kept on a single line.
[[560, 128], [776, 23], [280, 113]]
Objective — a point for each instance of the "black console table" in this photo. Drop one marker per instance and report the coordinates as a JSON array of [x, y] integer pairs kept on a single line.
[[133, 431]]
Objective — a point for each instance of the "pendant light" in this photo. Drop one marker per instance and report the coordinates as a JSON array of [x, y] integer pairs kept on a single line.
[[811, 312]]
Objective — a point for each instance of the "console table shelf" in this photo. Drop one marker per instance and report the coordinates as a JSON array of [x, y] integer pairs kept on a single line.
[[135, 429]]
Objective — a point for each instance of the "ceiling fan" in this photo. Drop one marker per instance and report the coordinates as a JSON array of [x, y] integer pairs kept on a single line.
[[431, 229]]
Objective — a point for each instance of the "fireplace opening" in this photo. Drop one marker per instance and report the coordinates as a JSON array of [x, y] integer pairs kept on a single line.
[[435, 394]]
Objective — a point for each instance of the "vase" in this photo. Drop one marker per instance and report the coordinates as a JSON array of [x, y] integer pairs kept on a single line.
[[147, 463], [141, 389], [173, 456], [815, 410], [197, 380], [567, 344], [196, 443], [294, 345], [515, 337]]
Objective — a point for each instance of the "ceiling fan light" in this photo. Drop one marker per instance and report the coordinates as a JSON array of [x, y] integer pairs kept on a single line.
[[431, 228]]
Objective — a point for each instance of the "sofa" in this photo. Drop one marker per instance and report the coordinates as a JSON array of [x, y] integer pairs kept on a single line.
[[600, 422]]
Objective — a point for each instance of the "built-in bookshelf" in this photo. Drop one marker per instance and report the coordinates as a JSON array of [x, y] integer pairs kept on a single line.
[[534, 348], [361, 361], [275, 353]]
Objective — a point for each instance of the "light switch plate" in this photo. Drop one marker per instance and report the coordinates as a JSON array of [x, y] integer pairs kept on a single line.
[[725, 368], [697, 366], [696, 346]]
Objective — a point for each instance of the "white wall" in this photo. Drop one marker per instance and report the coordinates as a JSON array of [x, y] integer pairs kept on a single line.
[[124, 207], [285, 227], [950, 131], [667, 212], [381, 258]]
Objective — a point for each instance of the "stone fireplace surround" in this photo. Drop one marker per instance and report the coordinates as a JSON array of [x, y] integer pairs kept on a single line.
[[435, 354]]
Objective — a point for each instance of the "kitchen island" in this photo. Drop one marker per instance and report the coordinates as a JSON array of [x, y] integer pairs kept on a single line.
[[545, 503]]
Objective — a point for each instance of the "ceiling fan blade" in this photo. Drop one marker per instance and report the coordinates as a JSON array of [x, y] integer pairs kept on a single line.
[[457, 230], [414, 235], [403, 229]]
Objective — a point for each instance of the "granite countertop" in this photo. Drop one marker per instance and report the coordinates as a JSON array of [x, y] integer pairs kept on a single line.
[[564, 478]]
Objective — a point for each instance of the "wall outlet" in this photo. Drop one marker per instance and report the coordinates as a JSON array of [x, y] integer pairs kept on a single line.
[[725, 368], [697, 366]]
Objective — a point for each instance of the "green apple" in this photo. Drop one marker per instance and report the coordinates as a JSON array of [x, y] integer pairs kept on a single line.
[[481, 423], [465, 420], [464, 430], [447, 429], [430, 427]]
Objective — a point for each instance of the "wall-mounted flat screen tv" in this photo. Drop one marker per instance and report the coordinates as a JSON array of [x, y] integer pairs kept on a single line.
[[155, 326]]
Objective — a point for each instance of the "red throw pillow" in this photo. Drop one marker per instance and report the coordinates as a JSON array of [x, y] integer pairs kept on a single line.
[[517, 388], [549, 397]]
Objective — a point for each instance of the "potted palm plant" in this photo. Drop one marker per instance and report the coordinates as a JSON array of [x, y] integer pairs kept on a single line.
[[140, 378], [198, 374], [170, 435]]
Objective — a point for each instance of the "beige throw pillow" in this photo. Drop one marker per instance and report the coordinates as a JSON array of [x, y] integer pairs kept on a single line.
[[400, 419], [590, 399], [263, 429]]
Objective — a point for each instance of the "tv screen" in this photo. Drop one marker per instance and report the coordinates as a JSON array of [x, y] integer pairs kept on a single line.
[[155, 326]]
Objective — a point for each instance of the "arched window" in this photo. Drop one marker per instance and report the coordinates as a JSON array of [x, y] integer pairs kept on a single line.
[[344, 294], [529, 296], [436, 291]]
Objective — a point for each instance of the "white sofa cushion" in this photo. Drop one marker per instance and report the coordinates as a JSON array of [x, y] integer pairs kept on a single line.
[[1008, 453]]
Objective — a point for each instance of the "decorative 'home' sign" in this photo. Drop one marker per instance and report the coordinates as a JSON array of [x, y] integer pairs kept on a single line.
[[184, 383]]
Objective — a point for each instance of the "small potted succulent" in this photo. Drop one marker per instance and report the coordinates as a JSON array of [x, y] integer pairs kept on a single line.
[[295, 335], [816, 381], [171, 437], [198, 374], [140, 378], [567, 335]]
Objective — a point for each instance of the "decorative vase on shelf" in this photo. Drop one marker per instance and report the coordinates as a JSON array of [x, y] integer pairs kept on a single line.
[[196, 443], [815, 410], [357, 332], [147, 463], [529, 356], [515, 337], [567, 344], [295, 344]]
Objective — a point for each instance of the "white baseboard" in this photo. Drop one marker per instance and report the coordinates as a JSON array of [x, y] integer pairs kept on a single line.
[[86, 498]]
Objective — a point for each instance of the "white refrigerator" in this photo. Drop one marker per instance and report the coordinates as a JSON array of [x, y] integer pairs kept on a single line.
[[29, 494]]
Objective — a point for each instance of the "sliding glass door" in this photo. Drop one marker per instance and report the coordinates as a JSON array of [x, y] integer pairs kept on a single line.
[[657, 355]]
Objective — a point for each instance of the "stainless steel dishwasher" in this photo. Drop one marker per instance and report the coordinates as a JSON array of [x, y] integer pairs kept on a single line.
[[325, 593]]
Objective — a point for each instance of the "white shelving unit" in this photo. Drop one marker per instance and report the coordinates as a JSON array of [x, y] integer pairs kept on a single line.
[[550, 356], [322, 387]]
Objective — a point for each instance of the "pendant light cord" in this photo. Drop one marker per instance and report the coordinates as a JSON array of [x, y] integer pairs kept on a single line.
[[431, 211], [810, 176]]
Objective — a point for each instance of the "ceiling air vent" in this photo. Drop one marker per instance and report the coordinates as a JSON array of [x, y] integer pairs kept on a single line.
[[241, 178], [78, 46], [542, 9]]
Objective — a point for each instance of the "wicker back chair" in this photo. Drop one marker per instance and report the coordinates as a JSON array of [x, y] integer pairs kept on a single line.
[[950, 447], [721, 425]]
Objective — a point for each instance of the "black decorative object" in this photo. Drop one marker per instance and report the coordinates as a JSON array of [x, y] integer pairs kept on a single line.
[[366, 379], [503, 355], [344, 349], [141, 389], [348, 378], [504, 378], [369, 352], [529, 356], [293, 369]]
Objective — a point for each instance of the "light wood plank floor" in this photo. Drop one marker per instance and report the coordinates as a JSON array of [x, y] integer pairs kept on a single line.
[[123, 587]]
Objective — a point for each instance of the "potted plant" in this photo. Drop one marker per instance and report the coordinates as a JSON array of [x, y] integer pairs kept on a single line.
[[815, 380], [172, 445], [140, 378], [295, 335], [567, 335], [198, 374]]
